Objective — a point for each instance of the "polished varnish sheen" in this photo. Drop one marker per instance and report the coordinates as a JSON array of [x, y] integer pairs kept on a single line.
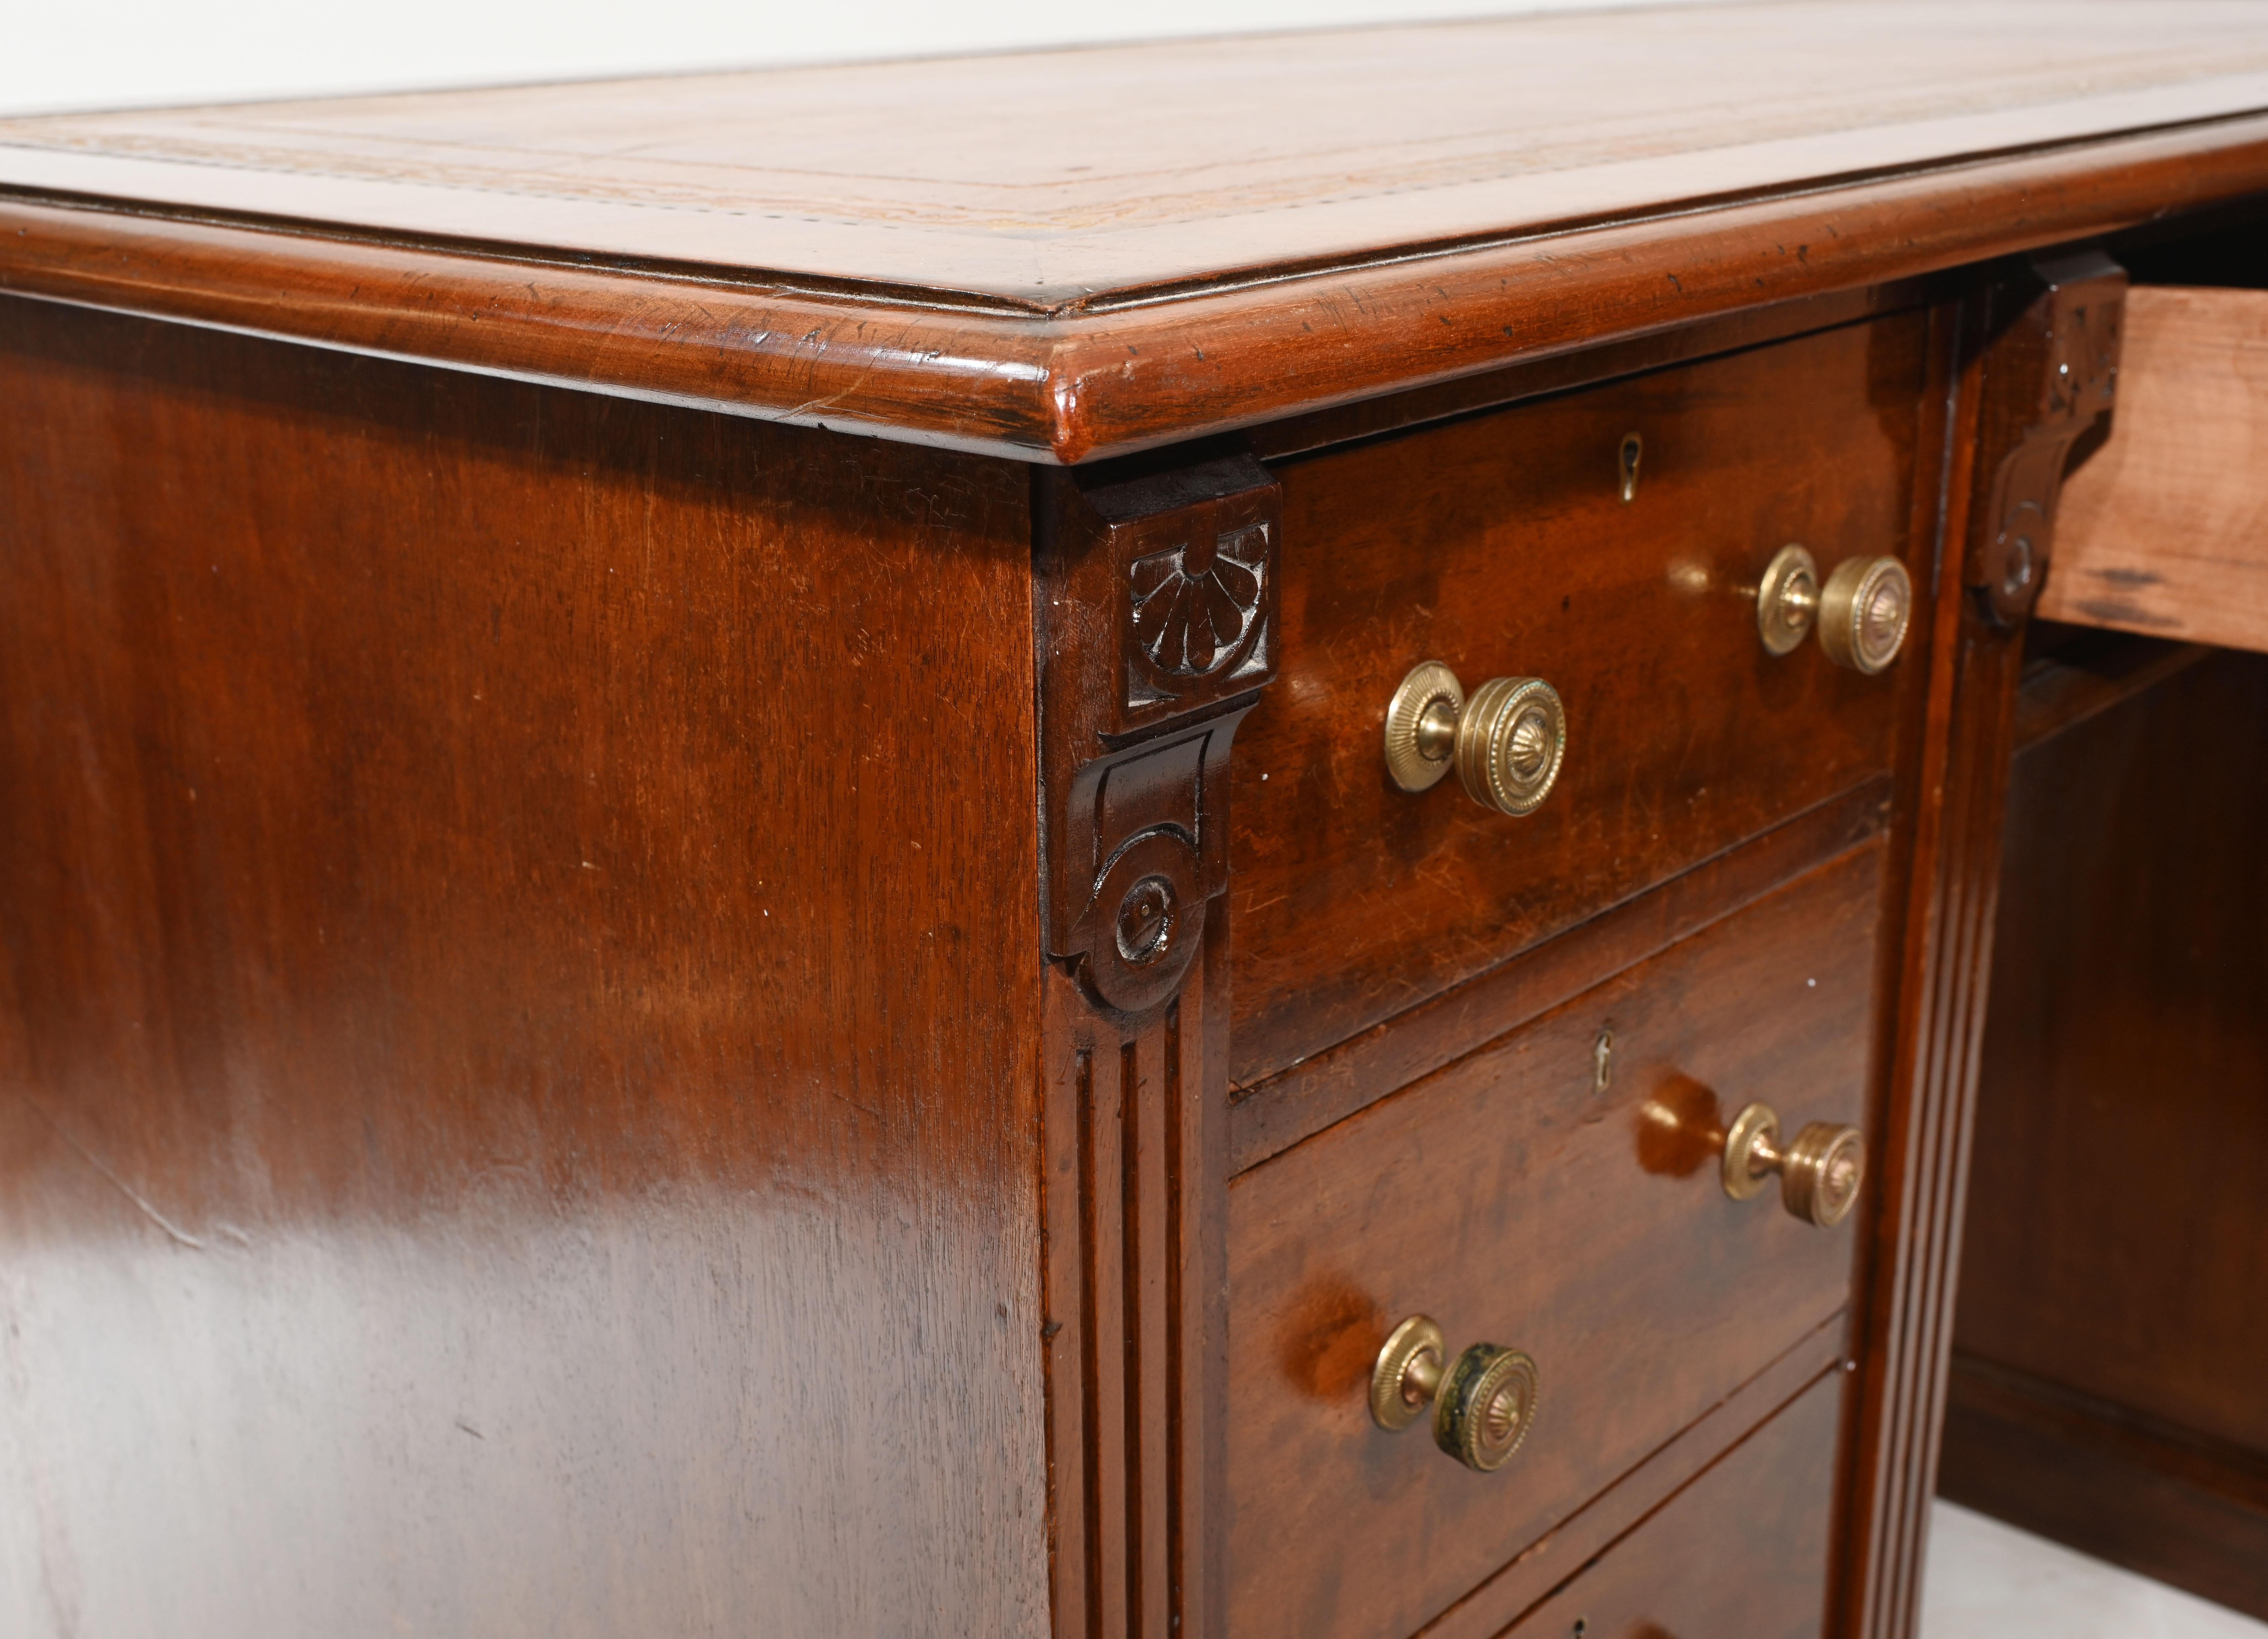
[[1729, 1557], [703, 931], [1501, 546], [1066, 257], [1519, 1201], [478, 868]]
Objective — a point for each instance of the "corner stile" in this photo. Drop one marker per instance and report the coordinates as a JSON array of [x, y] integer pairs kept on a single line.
[[1155, 593], [2038, 372]]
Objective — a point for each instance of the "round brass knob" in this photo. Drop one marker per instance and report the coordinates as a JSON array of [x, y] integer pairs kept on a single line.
[[1787, 601], [1506, 741], [1864, 610], [1484, 1403], [1819, 1173], [1407, 1372], [1485, 1409]]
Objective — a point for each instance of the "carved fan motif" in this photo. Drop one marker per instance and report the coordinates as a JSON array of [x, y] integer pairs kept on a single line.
[[1194, 607]]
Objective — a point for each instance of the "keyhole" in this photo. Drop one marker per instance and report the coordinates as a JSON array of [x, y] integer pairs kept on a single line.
[[1634, 447], [1603, 1063], [1581, 1627]]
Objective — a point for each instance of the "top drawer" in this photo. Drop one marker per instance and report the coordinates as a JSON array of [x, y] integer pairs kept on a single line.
[[1501, 546]]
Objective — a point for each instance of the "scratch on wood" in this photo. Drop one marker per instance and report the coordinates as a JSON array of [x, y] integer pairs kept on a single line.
[[180, 1235]]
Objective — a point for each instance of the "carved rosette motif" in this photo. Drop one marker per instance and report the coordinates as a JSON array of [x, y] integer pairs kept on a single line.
[[1198, 610], [1159, 626], [2053, 371]]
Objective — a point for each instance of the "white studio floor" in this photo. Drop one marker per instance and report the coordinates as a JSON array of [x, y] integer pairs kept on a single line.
[[1990, 1580]]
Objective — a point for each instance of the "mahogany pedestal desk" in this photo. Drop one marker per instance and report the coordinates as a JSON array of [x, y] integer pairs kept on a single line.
[[1197, 839]]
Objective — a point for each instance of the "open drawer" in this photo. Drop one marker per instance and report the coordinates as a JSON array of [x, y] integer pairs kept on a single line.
[[2164, 529]]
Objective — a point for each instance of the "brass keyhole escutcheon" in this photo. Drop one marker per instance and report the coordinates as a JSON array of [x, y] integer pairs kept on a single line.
[[1484, 1402], [1819, 1173], [1506, 741], [1626, 460]]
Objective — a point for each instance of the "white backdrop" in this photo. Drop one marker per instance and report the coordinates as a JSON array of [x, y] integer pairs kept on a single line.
[[96, 54]]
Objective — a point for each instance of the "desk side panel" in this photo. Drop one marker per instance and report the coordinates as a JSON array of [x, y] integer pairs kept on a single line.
[[518, 1010]]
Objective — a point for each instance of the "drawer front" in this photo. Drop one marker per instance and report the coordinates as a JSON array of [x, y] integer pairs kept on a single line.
[[1501, 547], [1516, 1201], [1739, 1554]]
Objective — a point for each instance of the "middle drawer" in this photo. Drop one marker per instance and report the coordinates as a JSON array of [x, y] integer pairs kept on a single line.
[[1554, 1197]]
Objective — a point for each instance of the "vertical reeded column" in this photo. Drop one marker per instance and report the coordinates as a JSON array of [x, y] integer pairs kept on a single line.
[[1155, 621]]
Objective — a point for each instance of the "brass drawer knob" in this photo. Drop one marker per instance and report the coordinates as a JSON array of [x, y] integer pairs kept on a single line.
[[1862, 612], [1506, 741], [1787, 601], [1484, 1402], [1819, 1173]]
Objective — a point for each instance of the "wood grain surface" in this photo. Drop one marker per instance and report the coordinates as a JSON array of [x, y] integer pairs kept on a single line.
[[1485, 1611], [518, 1056], [1153, 599], [1500, 546], [2116, 1484], [1952, 762], [2118, 1222], [1739, 1554], [2165, 529], [2105, 1249], [2072, 674], [1272, 1115], [1065, 256], [1517, 1203]]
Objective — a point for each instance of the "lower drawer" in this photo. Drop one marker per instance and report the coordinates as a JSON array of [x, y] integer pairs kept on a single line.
[[1739, 1554], [1520, 1196]]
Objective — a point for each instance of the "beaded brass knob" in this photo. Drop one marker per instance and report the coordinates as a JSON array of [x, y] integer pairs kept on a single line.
[[1484, 1402], [1864, 610], [1819, 1173], [1506, 741], [1788, 600]]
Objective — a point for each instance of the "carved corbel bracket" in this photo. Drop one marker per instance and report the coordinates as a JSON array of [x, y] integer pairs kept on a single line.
[[1156, 627], [2050, 370]]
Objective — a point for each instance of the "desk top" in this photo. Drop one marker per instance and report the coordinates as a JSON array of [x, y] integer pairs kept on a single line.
[[1068, 253]]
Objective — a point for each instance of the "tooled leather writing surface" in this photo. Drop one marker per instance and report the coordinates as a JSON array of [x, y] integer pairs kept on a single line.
[[1232, 231], [1060, 179]]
